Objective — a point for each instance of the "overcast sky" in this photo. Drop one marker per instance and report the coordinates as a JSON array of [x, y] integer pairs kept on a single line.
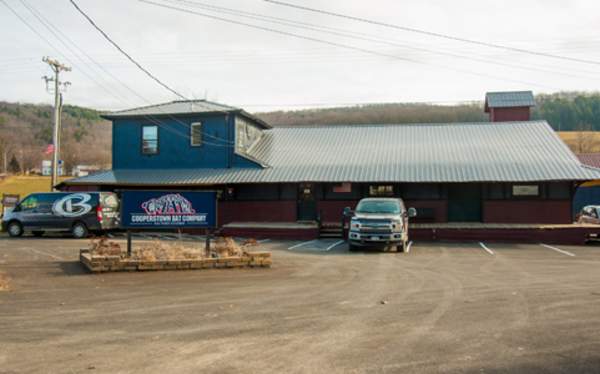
[[263, 70]]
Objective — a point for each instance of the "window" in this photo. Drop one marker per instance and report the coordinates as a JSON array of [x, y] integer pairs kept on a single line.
[[246, 134], [525, 190], [196, 134], [381, 190], [342, 191], [29, 204], [149, 140]]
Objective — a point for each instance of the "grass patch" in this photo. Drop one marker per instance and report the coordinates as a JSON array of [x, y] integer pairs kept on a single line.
[[24, 185]]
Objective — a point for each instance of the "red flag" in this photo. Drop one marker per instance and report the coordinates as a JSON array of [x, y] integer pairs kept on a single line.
[[49, 149]]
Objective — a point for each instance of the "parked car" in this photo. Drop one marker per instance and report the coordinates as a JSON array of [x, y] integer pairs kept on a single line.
[[379, 222], [589, 214], [78, 213]]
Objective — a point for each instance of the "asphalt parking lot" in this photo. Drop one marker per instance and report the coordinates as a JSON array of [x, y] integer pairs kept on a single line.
[[442, 307]]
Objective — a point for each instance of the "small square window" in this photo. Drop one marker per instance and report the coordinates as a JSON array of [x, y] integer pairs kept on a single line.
[[196, 134], [149, 140]]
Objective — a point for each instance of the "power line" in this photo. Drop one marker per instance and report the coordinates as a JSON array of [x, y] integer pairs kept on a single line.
[[435, 34], [359, 36], [48, 25], [339, 45], [62, 36], [125, 53]]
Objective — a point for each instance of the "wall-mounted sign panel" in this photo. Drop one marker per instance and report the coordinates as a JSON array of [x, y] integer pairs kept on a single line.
[[169, 209]]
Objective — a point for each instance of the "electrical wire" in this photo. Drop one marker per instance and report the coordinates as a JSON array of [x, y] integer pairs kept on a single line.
[[359, 36], [91, 77], [435, 34], [152, 76], [341, 45]]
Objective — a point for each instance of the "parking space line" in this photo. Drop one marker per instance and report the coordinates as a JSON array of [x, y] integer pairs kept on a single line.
[[334, 245], [408, 246], [303, 244], [264, 241], [558, 250], [486, 248]]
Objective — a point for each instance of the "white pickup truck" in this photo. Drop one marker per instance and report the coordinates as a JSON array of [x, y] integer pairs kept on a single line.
[[379, 222]]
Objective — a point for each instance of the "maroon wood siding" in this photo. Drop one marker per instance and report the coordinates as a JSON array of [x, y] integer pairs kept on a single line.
[[256, 211], [527, 211], [439, 208], [509, 114], [331, 211]]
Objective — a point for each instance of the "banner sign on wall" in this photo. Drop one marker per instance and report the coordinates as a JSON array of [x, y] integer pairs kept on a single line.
[[169, 209]]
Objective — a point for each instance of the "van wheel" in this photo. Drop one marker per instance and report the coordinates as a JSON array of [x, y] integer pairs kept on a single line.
[[37, 233], [79, 231], [15, 229]]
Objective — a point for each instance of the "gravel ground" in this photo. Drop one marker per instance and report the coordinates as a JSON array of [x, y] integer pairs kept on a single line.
[[443, 307]]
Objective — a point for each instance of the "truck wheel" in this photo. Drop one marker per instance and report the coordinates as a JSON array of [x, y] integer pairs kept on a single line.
[[37, 233], [79, 231], [15, 229]]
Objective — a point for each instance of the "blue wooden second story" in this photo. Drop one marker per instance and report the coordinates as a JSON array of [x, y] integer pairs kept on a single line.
[[184, 134]]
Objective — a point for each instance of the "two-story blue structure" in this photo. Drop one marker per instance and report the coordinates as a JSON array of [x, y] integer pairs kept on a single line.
[[515, 171]]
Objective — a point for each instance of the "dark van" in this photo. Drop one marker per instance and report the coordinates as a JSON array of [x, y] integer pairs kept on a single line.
[[76, 212]]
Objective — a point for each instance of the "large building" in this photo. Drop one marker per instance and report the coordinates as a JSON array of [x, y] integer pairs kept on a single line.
[[509, 170]]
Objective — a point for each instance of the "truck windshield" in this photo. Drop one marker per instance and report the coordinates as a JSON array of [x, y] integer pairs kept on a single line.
[[378, 206]]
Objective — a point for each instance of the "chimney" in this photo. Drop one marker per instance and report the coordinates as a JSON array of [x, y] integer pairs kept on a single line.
[[509, 106]]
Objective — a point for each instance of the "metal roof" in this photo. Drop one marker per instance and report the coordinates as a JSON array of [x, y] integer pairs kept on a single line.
[[181, 107], [509, 99], [452, 152], [590, 159]]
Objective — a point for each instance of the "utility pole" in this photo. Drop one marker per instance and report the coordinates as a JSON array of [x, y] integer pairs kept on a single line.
[[56, 67]]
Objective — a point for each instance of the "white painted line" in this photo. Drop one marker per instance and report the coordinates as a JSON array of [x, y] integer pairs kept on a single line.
[[302, 244], [264, 241], [486, 248], [334, 245], [408, 246], [558, 250]]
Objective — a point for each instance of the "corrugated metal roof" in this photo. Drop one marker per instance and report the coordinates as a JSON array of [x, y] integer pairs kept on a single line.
[[453, 152], [590, 159], [181, 107], [509, 99]]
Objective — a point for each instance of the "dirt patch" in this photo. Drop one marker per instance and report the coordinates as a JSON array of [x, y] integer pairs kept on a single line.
[[4, 282]]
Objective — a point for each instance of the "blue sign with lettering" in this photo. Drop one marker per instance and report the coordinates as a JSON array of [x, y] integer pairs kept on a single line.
[[169, 209]]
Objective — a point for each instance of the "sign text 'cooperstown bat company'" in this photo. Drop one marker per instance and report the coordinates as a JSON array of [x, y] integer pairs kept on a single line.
[[168, 209]]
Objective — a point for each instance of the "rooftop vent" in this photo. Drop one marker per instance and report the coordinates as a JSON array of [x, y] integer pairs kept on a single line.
[[509, 106]]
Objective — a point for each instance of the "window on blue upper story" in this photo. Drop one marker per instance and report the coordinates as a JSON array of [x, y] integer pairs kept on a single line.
[[246, 135], [196, 134], [149, 140]]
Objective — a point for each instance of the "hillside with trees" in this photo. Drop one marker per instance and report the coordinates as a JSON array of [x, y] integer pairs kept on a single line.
[[26, 129], [565, 111]]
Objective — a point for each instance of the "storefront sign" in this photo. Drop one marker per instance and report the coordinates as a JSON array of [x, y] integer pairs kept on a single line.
[[168, 209]]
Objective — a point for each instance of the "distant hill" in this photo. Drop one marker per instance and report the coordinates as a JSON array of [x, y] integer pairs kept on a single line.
[[26, 129], [566, 111]]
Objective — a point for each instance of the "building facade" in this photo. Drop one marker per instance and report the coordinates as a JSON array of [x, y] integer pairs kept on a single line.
[[508, 170]]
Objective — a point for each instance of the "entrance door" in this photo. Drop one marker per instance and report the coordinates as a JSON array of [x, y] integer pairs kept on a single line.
[[464, 202], [307, 204]]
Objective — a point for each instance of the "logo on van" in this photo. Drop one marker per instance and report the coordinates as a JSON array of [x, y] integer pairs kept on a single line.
[[168, 204], [73, 205]]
